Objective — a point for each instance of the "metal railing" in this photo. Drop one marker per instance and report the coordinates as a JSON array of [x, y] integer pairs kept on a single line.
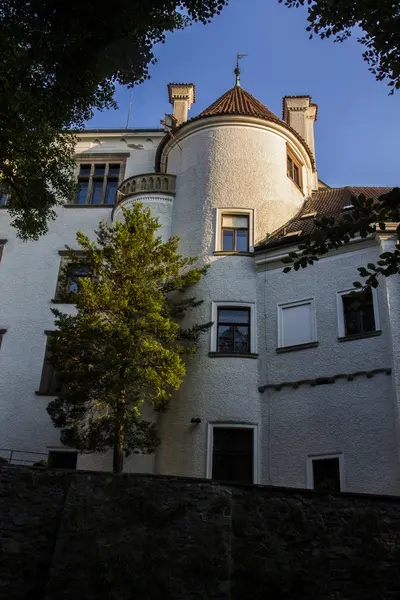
[[21, 457]]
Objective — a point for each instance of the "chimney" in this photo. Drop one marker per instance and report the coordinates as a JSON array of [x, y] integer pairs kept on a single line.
[[181, 96], [300, 113]]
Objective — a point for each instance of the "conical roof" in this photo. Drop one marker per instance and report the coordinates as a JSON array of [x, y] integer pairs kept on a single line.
[[238, 102]]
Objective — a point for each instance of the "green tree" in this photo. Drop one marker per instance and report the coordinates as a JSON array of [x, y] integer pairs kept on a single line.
[[378, 19], [59, 61], [363, 220], [126, 345]]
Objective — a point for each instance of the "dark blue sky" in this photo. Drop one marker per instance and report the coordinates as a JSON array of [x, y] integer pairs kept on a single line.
[[358, 127]]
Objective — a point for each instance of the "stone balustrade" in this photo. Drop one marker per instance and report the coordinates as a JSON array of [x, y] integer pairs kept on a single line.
[[146, 183]]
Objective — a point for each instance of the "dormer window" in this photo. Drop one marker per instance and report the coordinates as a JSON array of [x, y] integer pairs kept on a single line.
[[294, 168]]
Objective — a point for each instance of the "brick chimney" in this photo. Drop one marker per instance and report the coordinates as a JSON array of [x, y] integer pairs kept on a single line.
[[181, 96], [300, 113]]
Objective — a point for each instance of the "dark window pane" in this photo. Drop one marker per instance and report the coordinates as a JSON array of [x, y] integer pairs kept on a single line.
[[233, 315], [62, 460], [326, 474], [242, 244], [233, 454], [97, 190], [225, 338], [84, 171], [228, 240], [48, 381], [296, 174], [81, 195], [358, 313], [99, 170], [290, 167], [73, 276], [111, 190], [114, 170], [3, 198], [242, 339]]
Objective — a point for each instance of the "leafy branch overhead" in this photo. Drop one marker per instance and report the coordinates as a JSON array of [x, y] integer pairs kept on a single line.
[[379, 21], [127, 345], [60, 61], [365, 218]]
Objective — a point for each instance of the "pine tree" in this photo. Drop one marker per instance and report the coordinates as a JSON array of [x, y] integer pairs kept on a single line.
[[126, 345]]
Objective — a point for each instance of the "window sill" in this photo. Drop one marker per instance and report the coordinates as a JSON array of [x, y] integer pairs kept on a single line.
[[297, 347], [88, 205], [359, 336], [39, 393], [232, 355], [233, 253]]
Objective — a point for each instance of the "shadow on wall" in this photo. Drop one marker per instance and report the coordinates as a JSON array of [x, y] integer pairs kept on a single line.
[[98, 536]]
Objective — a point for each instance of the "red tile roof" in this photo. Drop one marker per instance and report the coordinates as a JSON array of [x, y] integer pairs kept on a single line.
[[326, 203], [238, 102]]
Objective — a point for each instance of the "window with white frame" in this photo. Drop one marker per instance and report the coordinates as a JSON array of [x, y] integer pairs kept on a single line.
[[234, 231], [234, 328], [326, 473], [232, 453], [296, 323], [357, 312]]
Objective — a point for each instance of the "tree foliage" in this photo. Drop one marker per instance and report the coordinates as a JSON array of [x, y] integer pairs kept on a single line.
[[59, 61], [378, 19], [363, 220], [126, 345]]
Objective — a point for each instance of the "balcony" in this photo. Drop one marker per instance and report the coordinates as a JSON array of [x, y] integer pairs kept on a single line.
[[147, 183]]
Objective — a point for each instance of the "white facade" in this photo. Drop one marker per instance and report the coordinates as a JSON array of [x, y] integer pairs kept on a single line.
[[304, 390]]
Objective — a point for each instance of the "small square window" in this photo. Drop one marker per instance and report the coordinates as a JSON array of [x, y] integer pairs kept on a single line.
[[357, 313], [297, 323], [233, 331], [326, 473]]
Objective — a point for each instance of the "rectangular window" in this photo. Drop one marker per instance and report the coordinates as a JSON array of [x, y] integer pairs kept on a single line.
[[233, 330], [294, 168], [326, 473], [68, 277], [3, 197], [48, 382], [297, 323], [232, 457], [2, 332], [235, 233], [59, 459], [357, 313], [98, 183]]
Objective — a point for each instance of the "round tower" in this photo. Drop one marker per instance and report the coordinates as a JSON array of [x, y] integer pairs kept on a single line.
[[241, 173]]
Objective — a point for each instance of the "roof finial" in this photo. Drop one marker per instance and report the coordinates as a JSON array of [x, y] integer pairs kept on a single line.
[[237, 70]]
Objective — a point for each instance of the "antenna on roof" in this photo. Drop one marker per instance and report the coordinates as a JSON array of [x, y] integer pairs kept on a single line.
[[129, 110], [237, 70]]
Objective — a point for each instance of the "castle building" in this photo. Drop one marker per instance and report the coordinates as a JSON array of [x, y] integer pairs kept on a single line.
[[294, 385]]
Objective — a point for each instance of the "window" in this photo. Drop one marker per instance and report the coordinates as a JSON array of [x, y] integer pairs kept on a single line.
[[59, 459], [3, 197], [294, 168], [297, 323], [326, 473], [48, 382], [232, 453], [235, 233], [69, 274], [233, 329], [2, 332], [98, 183], [2, 244], [357, 313]]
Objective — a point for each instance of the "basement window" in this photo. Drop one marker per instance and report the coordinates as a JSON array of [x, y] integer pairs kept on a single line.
[[59, 459], [326, 473]]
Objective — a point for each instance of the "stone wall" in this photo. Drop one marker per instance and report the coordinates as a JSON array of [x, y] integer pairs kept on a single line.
[[96, 536]]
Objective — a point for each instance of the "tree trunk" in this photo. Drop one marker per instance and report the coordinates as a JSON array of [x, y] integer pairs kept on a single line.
[[118, 455]]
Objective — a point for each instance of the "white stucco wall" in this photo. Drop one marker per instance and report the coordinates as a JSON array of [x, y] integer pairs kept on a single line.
[[356, 418], [28, 279], [160, 205]]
